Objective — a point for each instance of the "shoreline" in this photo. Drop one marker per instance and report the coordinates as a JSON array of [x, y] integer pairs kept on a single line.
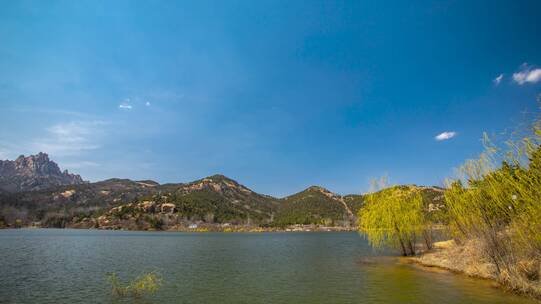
[[239, 229], [457, 259], [466, 260]]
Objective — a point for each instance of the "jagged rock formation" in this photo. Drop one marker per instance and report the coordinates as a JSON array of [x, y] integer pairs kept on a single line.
[[34, 172]]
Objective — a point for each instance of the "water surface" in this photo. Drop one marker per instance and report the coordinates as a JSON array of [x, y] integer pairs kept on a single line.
[[71, 266]]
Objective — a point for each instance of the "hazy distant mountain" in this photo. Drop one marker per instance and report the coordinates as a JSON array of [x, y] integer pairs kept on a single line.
[[34, 172]]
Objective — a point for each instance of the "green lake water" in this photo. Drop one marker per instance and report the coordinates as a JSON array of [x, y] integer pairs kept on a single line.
[[71, 266]]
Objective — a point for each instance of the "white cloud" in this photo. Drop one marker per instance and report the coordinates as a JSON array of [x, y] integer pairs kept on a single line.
[[498, 79], [445, 135], [70, 138], [147, 103], [527, 75], [125, 106]]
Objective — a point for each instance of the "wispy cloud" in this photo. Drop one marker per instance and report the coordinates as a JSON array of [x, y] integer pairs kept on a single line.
[[80, 164], [527, 74], [445, 135], [125, 106], [498, 79], [147, 103], [70, 138]]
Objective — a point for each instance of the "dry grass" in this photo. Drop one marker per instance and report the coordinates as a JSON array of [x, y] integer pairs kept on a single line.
[[467, 259], [523, 277]]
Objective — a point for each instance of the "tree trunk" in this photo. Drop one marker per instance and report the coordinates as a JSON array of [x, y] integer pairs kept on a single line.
[[404, 252]]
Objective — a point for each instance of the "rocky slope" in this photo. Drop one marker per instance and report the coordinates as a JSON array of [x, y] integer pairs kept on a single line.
[[34, 172]]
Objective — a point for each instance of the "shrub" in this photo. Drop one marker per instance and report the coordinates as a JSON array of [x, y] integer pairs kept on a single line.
[[154, 222]]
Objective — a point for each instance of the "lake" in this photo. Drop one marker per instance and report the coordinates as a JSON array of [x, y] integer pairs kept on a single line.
[[71, 266]]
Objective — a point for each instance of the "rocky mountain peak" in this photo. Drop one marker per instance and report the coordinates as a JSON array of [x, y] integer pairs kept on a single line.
[[38, 164], [34, 172]]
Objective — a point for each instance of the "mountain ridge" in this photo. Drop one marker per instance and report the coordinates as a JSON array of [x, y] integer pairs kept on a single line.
[[214, 202]]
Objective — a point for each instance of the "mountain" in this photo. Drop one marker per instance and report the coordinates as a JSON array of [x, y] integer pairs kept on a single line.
[[225, 198], [317, 205], [212, 203], [33, 191], [121, 203], [59, 206], [34, 172]]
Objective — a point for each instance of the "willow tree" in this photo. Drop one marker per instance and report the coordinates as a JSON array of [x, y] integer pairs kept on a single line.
[[394, 218]]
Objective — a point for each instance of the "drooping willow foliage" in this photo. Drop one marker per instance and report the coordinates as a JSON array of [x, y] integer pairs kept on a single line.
[[394, 217]]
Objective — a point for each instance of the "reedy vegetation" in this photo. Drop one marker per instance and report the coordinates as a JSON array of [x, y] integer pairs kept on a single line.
[[145, 284]]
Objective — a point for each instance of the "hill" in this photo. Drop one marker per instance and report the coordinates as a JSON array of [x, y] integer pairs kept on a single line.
[[63, 200], [211, 201], [316, 205], [58, 206]]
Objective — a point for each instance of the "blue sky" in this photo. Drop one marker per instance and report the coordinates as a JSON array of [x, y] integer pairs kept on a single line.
[[278, 95]]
